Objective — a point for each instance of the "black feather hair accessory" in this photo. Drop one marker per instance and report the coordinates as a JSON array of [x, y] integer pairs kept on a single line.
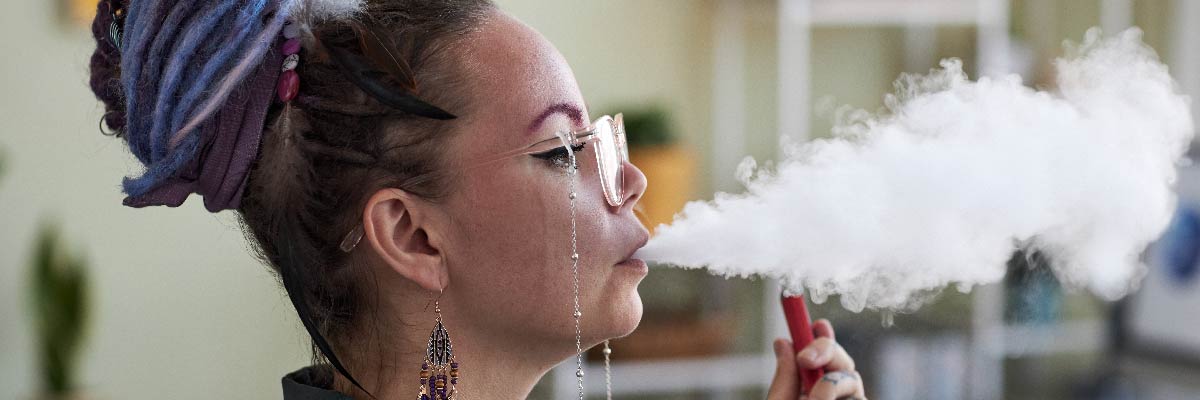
[[381, 71]]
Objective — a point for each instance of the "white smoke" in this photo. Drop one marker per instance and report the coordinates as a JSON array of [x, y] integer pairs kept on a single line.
[[942, 187]]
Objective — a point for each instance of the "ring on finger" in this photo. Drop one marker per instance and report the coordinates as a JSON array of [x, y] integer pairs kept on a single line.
[[837, 376]]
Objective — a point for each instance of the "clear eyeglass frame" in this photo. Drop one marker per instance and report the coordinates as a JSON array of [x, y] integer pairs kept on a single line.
[[607, 137]]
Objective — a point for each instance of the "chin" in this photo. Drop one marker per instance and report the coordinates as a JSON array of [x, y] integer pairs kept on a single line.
[[627, 315]]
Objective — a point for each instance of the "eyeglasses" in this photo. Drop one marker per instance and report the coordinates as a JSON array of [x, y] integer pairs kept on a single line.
[[607, 136]]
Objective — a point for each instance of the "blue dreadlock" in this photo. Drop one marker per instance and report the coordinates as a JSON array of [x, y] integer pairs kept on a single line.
[[207, 48]]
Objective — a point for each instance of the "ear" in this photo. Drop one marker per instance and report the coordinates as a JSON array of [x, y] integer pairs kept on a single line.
[[394, 223]]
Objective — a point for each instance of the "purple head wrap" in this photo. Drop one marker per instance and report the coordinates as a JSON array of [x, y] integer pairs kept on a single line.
[[228, 146]]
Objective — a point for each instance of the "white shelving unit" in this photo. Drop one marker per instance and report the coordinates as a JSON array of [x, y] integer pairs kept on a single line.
[[668, 376], [1185, 53]]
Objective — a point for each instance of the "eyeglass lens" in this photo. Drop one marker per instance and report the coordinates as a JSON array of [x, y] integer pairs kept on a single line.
[[610, 157]]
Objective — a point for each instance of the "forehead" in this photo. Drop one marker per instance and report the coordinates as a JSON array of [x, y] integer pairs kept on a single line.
[[518, 76]]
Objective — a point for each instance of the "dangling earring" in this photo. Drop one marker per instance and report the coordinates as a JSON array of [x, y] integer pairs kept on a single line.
[[439, 372]]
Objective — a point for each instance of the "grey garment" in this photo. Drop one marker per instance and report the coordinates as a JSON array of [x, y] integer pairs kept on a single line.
[[313, 382]]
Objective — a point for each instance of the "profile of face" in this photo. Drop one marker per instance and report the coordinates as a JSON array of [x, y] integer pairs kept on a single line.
[[500, 241]]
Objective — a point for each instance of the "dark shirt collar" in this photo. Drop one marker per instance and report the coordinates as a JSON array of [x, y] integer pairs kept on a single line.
[[313, 382]]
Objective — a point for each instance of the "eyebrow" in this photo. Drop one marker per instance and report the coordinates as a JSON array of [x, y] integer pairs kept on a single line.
[[570, 110]]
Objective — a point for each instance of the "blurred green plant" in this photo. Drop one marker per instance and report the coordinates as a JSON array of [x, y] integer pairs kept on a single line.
[[648, 127], [59, 298], [1, 165]]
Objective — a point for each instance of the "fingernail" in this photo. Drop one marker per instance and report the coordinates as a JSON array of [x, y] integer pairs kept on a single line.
[[776, 347], [808, 355]]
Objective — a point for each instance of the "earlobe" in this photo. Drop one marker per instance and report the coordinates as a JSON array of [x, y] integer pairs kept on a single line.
[[396, 231]]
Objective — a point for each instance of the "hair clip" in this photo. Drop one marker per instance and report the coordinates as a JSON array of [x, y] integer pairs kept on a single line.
[[114, 28], [289, 80], [351, 240]]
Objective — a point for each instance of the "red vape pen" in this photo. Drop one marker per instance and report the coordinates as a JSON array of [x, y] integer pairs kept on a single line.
[[800, 325]]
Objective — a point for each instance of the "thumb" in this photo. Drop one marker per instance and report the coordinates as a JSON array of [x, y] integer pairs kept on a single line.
[[786, 384]]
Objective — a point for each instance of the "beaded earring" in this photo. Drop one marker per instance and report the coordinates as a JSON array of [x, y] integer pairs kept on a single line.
[[439, 372]]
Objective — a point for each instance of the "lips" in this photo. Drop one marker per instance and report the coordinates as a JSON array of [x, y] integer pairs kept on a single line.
[[645, 237], [633, 263]]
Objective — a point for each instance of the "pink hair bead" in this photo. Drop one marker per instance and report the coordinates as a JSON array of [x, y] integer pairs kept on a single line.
[[289, 80], [291, 46], [289, 85]]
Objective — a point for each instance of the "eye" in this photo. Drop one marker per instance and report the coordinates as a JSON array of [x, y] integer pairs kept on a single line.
[[559, 157]]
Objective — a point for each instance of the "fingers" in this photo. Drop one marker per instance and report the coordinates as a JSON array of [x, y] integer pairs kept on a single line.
[[786, 384], [838, 385], [823, 328], [841, 382], [824, 353]]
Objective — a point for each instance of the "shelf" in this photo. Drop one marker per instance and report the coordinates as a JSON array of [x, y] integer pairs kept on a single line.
[[1082, 336], [669, 376], [893, 12]]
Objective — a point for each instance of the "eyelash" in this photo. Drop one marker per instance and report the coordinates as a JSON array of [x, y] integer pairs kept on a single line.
[[559, 157]]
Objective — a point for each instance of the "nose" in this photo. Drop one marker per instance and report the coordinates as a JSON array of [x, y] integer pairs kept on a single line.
[[634, 182]]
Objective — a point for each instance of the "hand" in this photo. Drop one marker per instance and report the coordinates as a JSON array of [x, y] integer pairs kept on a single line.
[[841, 381]]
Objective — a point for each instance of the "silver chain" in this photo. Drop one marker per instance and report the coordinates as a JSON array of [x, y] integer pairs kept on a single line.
[[572, 172], [607, 372]]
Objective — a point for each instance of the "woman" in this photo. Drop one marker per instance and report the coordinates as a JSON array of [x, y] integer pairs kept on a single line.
[[390, 155]]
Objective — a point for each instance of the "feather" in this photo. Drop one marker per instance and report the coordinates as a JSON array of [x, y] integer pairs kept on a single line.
[[381, 51], [373, 82], [321, 10]]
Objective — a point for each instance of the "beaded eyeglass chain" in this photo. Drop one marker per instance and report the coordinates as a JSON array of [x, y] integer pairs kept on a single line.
[[572, 173]]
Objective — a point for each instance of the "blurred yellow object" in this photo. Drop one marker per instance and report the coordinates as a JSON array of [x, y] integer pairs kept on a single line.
[[670, 171], [79, 12]]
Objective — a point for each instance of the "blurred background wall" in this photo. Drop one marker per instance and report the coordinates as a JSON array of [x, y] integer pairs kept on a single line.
[[181, 310]]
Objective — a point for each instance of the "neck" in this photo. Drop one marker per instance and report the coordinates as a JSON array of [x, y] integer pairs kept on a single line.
[[491, 365]]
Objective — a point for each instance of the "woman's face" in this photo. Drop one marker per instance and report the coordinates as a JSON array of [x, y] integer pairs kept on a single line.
[[508, 241]]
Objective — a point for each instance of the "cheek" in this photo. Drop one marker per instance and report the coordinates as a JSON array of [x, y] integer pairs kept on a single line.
[[511, 245], [504, 222]]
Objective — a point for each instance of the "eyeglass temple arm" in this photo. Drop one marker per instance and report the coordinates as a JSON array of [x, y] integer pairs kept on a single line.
[[531, 149]]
